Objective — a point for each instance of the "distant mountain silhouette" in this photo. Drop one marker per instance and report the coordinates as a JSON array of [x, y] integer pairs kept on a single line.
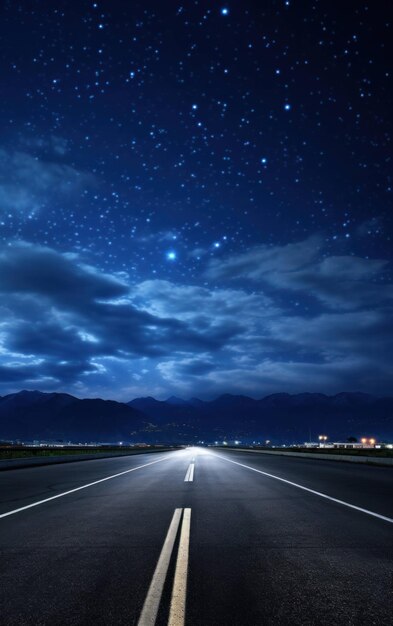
[[50, 416], [176, 400], [282, 418]]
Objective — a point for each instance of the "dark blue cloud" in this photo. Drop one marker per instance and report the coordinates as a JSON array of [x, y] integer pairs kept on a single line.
[[65, 324], [338, 281]]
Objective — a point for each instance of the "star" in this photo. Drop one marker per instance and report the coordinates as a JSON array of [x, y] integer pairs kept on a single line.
[[185, 159]]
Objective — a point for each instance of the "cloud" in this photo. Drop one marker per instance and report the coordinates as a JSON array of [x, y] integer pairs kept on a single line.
[[186, 368], [68, 314], [272, 376], [259, 262], [272, 348], [200, 305], [364, 334], [346, 282], [341, 282], [328, 353], [67, 325], [29, 182], [31, 269]]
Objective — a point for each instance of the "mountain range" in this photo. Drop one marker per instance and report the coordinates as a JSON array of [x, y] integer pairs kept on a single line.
[[281, 418]]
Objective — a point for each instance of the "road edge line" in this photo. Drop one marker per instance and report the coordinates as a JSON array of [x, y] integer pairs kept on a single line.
[[66, 493], [316, 493]]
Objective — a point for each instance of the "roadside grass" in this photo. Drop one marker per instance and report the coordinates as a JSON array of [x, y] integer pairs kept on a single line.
[[29, 452], [380, 452]]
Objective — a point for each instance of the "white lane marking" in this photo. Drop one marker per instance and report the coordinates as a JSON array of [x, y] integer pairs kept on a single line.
[[150, 608], [177, 612], [65, 493], [190, 474], [316, 493]]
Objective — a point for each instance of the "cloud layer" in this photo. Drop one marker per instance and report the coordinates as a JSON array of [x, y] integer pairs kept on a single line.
[[67, 325], [346, 282]]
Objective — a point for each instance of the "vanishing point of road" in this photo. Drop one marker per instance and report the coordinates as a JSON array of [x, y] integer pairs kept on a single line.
[[196, 537]]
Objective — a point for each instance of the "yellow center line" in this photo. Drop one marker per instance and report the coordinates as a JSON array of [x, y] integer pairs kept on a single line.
[[150, 608], [177, 612]]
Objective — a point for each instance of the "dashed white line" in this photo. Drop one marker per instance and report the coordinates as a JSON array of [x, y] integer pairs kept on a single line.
[[66, 493], [316, 493], [190, 473], [150, 608]]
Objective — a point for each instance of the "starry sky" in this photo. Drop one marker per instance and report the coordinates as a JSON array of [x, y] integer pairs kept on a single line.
[[195, 197]]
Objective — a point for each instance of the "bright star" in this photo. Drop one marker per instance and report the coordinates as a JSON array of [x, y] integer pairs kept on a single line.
[[287, 107], [171, 256], [225, 11]]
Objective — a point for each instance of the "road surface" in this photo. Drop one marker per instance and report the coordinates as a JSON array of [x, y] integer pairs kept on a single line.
[[198, 537]]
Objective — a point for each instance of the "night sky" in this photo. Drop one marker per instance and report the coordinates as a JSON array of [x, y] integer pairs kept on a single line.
[[195, 197]]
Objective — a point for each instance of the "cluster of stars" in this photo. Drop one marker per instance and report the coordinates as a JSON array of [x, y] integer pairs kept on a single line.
[[137, 121]]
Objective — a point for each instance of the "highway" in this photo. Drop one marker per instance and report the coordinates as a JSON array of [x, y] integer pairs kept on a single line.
[[200, 537]]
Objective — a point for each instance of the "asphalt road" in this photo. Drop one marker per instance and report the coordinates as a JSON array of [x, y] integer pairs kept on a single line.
[[196, 537]]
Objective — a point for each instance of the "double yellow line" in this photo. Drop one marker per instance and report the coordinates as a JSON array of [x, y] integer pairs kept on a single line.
[[177, 611]]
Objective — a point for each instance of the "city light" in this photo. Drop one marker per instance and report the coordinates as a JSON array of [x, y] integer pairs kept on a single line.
[[370, 442]]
